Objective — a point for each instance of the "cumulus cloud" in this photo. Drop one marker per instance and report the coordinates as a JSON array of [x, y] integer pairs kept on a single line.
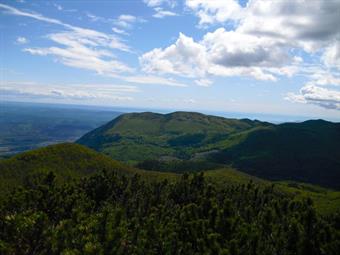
[[21, 40], [215, 11], [261, 42], [182, 58], [320, 96], [219, 53], [301, 23]]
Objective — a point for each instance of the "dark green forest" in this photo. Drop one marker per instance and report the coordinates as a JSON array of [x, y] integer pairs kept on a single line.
[[108, 213]]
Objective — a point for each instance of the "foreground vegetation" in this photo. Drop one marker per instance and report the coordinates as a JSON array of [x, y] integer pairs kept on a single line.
[[109, 213], [68, 199]]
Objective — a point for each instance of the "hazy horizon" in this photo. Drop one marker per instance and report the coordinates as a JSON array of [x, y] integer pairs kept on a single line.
[[273, 118]]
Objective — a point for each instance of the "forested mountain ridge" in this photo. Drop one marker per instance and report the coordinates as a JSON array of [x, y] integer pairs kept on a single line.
[[307, 152], [135, 137]]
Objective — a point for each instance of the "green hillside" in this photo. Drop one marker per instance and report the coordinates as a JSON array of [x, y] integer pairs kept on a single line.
[[116, 209], [68, 161], [306, 152], [72, 161], [184, 141], [135, 137]]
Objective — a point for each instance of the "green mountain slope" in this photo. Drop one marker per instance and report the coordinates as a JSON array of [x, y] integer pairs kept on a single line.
[[306, 152], [136, 137], [72, 161], [68, 161]]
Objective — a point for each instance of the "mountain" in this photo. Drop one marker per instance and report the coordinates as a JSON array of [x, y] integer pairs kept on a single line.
[[67, 160], [305, 152], [135, 137]]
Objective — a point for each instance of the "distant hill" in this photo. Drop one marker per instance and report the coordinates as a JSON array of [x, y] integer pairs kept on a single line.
[[305, 152]]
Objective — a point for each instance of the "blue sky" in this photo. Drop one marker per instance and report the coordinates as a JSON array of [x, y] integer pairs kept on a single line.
[[258, 56]]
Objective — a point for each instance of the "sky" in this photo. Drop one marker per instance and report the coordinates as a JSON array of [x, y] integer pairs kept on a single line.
[[278, 57]]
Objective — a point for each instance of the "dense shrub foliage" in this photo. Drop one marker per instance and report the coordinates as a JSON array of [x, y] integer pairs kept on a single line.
[[111, 214]]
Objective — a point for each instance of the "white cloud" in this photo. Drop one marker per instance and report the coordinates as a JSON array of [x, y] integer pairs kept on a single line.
[[331, 56], [68, 91], [119, 31], [320, 96], [204, 82], [325, 78], [21, 40], [85, 51], [80, 47], [261, 40], [155, 3], [126, 21], [185, 57], [14, 11], [150, 79], [58, 6], [160, 13], [215, 11], [302, 23], [219, 53]]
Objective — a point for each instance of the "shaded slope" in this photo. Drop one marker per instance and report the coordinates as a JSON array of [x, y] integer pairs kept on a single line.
[[305, 152]]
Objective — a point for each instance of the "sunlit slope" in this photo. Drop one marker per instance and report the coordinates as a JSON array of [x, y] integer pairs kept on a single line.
[[136, 137], [68, 161]]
